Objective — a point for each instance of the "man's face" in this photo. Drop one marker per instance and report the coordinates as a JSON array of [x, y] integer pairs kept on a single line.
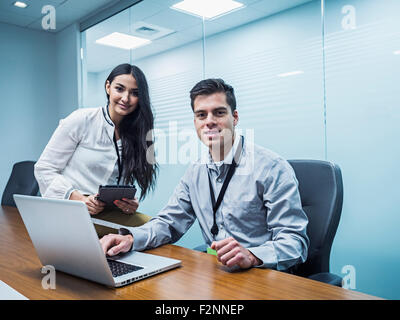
[[214, 121]]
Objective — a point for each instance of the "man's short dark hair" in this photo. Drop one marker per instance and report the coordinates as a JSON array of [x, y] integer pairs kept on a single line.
[[211, 86]]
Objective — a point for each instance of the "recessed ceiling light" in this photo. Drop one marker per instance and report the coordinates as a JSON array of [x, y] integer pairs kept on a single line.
[[288, 74], [20, 4], [207, 9], [123, 41], [397, 52]]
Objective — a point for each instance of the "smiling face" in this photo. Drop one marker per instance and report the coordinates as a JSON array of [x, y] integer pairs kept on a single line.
[[123, 96], [215, 122]]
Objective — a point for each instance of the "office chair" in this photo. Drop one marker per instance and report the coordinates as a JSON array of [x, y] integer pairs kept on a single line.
[[321, 192], [21, 181]]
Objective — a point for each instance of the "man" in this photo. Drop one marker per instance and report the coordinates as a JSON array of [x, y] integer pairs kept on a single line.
[[259, 220]]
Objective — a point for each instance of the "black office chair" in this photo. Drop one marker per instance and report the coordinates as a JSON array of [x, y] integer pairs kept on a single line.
[[321, 192], [22, 181]]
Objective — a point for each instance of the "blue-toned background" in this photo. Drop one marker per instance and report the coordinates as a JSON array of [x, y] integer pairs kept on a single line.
[[344, 106]]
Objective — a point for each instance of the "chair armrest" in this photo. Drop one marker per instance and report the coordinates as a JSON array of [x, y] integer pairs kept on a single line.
[[328, 278]]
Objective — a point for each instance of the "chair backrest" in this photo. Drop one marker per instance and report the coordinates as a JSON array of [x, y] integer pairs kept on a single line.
[[321, 192], [22, 181]]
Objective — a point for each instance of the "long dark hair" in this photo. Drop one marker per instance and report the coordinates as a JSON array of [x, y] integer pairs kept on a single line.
[[136, 134]]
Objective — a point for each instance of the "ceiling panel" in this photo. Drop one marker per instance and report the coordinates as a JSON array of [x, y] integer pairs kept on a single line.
[[85, 6], [145, 9], [175, 20], [34, 8], [273, 6], [67, 12], [187, 28], [16, 19]]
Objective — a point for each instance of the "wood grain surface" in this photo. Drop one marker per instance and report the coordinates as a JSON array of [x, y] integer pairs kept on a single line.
[[201, 276]]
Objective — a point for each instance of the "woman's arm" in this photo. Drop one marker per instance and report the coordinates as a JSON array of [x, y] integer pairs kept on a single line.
[[57, 153], [94, 206]]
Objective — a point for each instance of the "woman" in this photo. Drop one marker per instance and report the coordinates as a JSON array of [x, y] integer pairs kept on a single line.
[[100, 146]]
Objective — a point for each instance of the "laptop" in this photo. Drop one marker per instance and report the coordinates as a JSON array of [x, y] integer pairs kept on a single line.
[[64, 237]]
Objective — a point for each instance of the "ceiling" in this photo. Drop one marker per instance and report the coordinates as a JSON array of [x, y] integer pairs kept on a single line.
[[184, 28], [67, 12]]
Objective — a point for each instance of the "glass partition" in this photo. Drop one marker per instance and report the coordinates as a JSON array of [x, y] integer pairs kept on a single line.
[[269, 51], [272, 55], [362, 64], [172, 61], [313, 79]]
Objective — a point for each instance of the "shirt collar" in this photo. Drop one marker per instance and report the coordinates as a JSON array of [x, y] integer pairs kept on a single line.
[[109, 125], [106, 115], [229, 157]]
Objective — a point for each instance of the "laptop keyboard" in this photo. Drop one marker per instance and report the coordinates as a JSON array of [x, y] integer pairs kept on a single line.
[[120, 268]]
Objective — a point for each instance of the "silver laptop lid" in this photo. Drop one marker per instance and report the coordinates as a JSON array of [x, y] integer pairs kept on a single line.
[[64, 237]]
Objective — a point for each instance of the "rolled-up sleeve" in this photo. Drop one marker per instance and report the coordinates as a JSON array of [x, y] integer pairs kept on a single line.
[[57, 153], [286, 220], [170, 224]]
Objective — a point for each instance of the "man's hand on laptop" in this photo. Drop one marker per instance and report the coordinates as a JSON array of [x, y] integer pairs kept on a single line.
[[114, 244]]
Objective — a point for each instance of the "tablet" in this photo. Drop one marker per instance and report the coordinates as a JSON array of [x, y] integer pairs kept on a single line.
[[109, 193]]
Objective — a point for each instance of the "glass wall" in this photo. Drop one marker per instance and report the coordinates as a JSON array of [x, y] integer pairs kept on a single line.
[[362, 72], [313, 79], [274, 60]]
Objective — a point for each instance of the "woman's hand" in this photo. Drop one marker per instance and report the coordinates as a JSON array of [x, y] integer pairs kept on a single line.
[[94, 206], [128, 206]]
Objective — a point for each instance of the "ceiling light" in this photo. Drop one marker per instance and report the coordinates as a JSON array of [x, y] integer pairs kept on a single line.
[[287, 74], [20, 4], [397, 52], [207, 9], [123, 41]]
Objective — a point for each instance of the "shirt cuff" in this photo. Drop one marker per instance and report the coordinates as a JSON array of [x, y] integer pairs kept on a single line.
[[140, 237], [68, 193], [266, 254]]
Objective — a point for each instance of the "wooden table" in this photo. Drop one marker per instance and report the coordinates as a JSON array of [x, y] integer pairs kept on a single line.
[[199, 277]]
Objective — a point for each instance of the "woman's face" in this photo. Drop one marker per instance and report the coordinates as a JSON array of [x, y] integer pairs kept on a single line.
[[123, 95]]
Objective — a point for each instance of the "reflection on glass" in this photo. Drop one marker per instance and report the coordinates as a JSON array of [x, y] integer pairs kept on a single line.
[[122, 41], [207, 9], [271, 52], [362, 63]]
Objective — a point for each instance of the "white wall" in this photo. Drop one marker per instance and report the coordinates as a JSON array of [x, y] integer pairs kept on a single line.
[[68, 70], [28, 91], [39, 85]]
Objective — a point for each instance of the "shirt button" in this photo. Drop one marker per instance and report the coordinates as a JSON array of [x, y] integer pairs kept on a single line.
[[219, 180]]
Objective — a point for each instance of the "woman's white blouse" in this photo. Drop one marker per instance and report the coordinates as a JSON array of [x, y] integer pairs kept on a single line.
[[80, 155]]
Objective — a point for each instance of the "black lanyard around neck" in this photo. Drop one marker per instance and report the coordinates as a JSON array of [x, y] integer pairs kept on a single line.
[[120, 161], [231, 171]]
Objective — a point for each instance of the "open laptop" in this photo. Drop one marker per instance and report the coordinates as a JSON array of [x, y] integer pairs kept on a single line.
[[64, 237]]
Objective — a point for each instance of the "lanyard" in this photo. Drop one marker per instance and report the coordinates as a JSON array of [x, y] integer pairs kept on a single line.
[[120, 162], [231, 171]]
